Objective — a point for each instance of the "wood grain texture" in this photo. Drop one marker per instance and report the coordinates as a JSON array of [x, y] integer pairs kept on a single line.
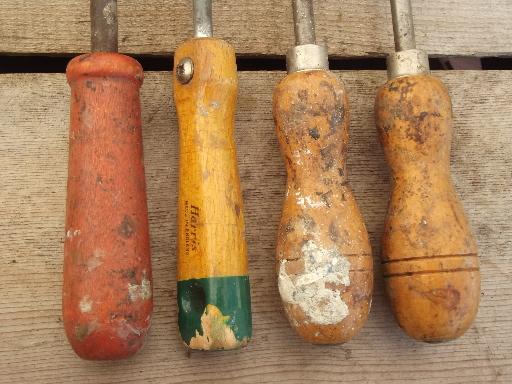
[[212, 266], [33, 146], [209, 181], [431, 265], [349, 27]]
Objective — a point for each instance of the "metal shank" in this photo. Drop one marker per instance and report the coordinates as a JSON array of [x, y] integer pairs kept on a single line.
[[203, 26], [403, 27], [104, 25], [304, 22]]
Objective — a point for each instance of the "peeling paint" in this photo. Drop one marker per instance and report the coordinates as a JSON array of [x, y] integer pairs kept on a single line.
[[72, 233], [216, 332], [203, 111], [307, 201], [85, 304], [84, 330], [125, 330], [96, 260], [140, 291], [308, 289]]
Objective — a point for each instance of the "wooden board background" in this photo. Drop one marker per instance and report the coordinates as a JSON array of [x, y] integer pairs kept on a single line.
[[347, 27], [33, 152]]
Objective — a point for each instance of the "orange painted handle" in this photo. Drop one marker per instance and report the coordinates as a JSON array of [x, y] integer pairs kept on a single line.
[[325, 270], [107, 292], [429, 254]]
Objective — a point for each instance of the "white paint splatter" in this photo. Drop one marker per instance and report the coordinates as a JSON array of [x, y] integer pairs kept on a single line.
[[307, 201], [140, 291], [72, 233], [96, 260], [308, 289], [85, 304], [125, 329], [203, 111]]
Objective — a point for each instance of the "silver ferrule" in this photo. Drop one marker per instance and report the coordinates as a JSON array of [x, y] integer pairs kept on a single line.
[[304, 22], [407, 63], [307, 57], [407, 60], [203, 26]]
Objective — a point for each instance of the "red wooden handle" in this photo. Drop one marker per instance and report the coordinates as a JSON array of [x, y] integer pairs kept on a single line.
[[107, 292]]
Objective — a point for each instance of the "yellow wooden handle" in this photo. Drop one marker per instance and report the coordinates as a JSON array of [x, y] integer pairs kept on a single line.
[[213, 287], [429, 254], [324, 257]]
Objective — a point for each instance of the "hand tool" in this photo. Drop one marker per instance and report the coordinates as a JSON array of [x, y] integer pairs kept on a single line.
[[107, 292], [213, 285], [324, 263], [429, 255]]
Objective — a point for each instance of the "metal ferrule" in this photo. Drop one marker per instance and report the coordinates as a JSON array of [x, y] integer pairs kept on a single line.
[[407, 60], [307, 57], [407, 63]]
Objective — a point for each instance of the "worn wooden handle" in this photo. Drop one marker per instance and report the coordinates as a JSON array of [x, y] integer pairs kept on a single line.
[[107, 292], [213, 286], [429, 254], [324, 259]]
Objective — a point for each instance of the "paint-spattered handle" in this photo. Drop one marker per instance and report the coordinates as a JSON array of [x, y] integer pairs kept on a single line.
[[107, 292], [213, 286], [429, 254], [324, 258]]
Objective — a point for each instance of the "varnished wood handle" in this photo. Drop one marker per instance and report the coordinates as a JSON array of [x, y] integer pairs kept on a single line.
[[324, 259], [428, 251], [107, 292], [213, 286]]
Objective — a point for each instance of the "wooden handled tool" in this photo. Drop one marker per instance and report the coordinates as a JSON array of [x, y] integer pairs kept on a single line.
[[213, 285], [107, 290], [324, 259], [429, 255]]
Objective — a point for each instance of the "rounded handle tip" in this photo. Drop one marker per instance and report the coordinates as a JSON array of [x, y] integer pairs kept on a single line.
[[434, 307], [108, 338]]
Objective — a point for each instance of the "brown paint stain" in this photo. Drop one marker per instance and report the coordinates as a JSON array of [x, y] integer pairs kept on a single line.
[[313, 132], [333, 232], [84, 330], [81, 331], [127, 227], [90, 84], [449, 297]]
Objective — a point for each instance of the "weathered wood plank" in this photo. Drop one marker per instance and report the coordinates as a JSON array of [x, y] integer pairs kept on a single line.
[[349, 27], [33, 147]]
